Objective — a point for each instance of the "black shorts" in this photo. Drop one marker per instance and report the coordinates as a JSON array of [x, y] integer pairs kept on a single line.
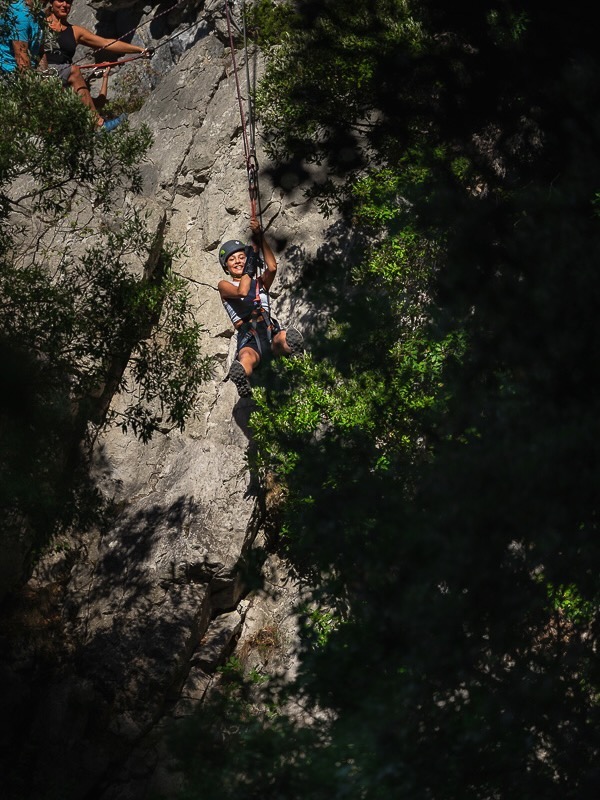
[[258, 337]]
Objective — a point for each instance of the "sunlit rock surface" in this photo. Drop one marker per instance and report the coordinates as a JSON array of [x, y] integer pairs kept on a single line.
[[131, 621]]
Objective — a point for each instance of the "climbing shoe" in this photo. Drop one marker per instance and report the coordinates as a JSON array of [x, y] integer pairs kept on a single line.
[[237, 374], [111, 124], [295, 341]]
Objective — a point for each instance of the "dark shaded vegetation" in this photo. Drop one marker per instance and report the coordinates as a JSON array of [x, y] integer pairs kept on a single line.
[[439, 449]]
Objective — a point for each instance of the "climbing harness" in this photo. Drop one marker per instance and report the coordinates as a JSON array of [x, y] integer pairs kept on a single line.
[[249, 315], [258, 314], [249, 329]]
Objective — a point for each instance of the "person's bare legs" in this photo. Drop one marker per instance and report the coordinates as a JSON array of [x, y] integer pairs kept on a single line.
[[279, 346], [249, 359], [240, 370], [80, 87], [287, 343]]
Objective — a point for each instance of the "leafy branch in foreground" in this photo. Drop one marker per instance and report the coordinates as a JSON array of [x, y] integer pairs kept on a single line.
[[85, 282], [88, 297]]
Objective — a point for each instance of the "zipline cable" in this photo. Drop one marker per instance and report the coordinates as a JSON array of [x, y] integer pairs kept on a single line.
[[251, 91]]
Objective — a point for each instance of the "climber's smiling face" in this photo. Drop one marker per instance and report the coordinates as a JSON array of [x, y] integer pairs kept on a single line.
[[235, 264]]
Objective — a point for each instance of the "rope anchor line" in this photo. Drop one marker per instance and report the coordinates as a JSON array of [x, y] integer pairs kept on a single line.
[[148, 53], [247, 121]]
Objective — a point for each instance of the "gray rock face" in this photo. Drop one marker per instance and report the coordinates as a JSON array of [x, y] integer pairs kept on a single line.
[[147, 609]]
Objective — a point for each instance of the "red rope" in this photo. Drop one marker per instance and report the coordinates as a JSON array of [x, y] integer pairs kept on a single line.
[[251, 164], [112, 63]]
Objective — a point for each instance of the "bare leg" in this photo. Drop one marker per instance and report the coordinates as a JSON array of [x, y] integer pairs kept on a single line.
[[249, 359], [80, 87], [241, 369], [279, 345], [288, 343]]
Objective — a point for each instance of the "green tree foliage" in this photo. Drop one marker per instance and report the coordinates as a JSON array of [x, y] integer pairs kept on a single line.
[[89, 304], [439, 448]]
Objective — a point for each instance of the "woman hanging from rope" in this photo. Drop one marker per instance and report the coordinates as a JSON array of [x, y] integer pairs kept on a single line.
[[245, 296], [61, 42]]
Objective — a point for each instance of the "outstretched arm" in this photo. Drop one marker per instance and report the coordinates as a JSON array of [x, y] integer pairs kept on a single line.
[[83, 36], [260, 243]]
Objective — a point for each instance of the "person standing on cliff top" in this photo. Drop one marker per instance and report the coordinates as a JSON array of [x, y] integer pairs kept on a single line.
[[62, 39], [245, 297]]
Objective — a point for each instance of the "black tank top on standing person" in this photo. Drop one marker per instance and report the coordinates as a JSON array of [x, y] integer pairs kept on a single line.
[[60, 46]]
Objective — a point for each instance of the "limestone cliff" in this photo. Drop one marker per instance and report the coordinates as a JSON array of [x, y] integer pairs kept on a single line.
[[133, 619]]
